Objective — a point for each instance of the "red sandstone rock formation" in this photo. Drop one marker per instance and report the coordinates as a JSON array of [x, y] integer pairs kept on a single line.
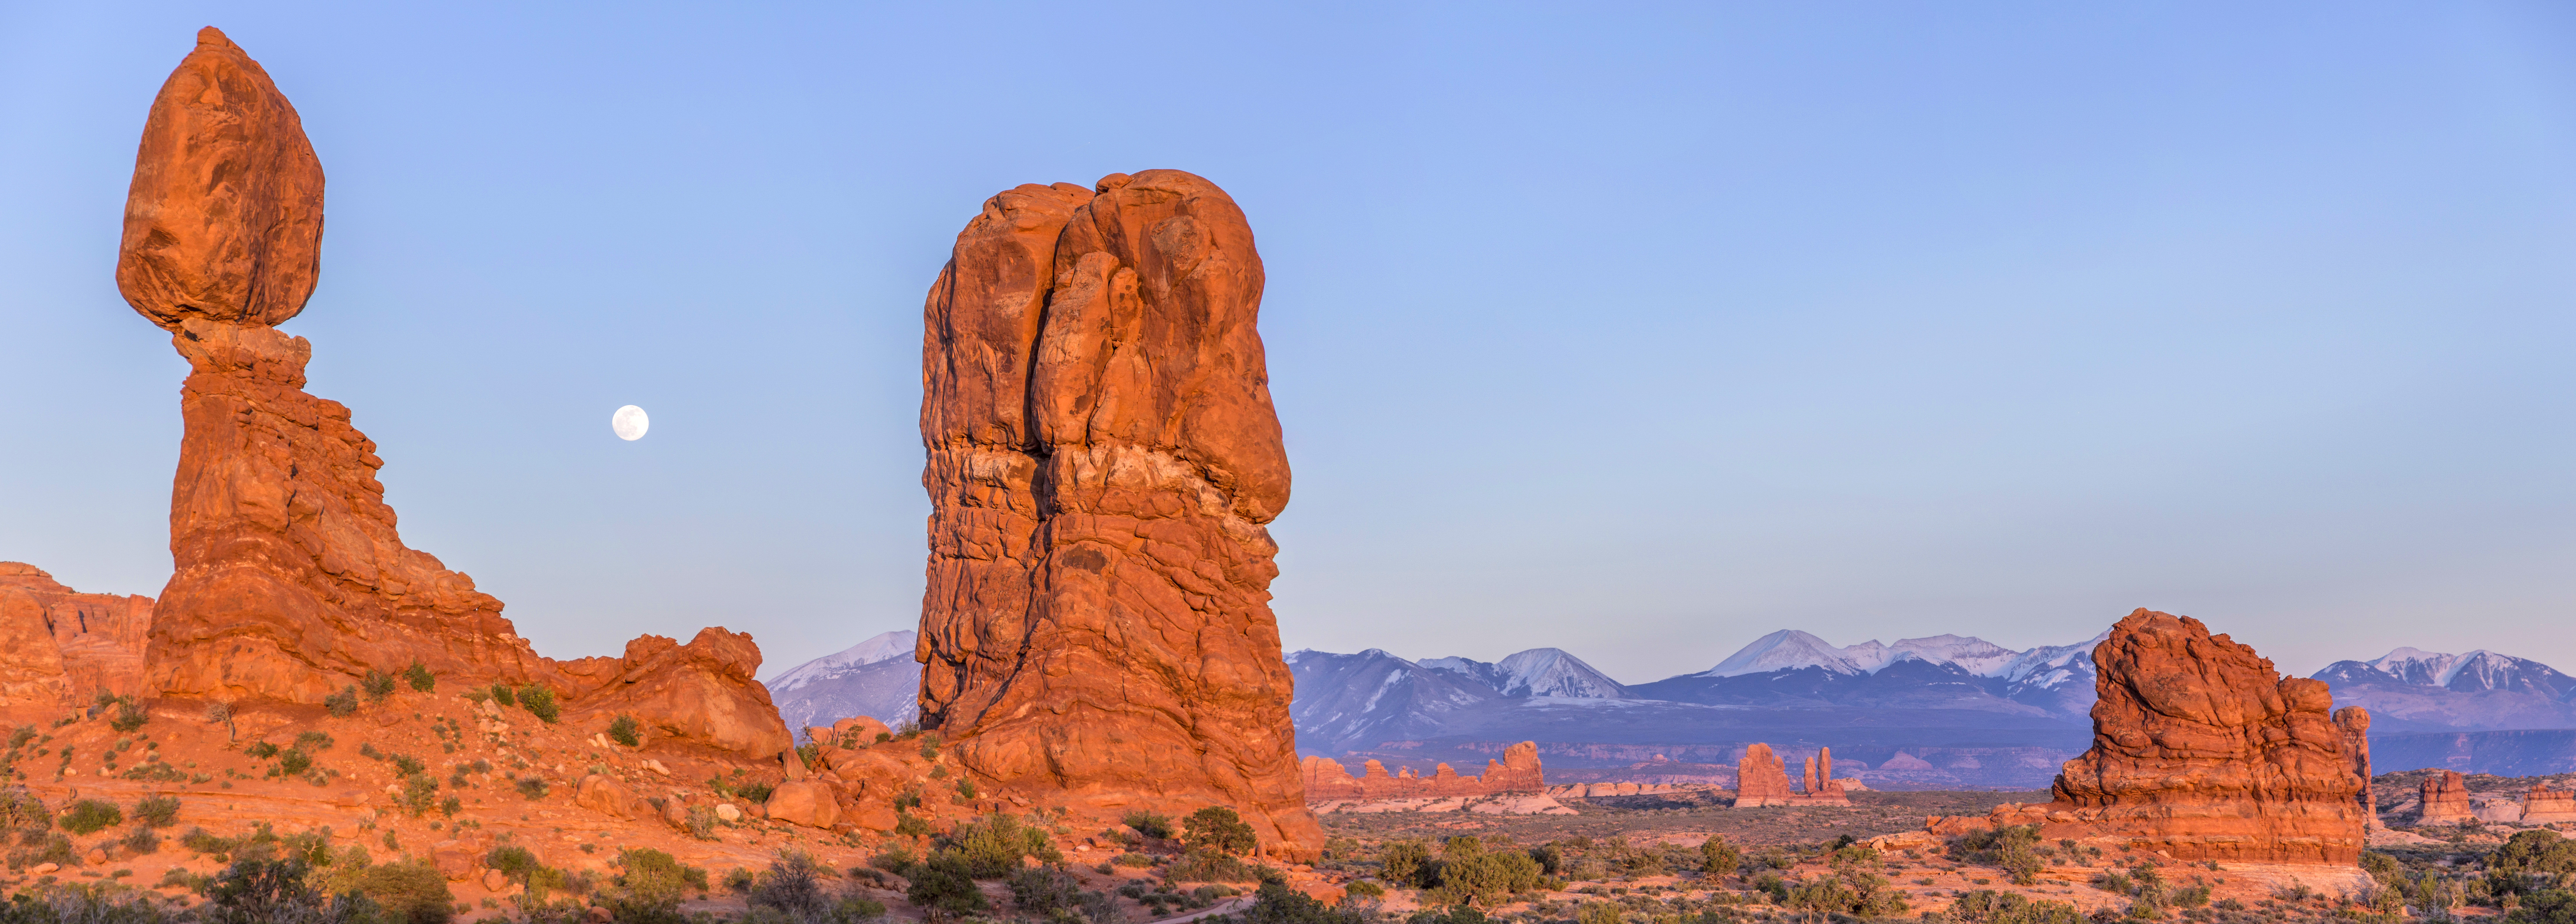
[[1518, 773], [2446, 799], [59, 646], [289, 579], [2543, 805], [1102, 460], [2204, 752], [1761, 778], [2354, 723]]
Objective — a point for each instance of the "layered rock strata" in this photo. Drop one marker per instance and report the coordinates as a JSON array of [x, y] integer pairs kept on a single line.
[[2354, 723], [1102, 459], [2445, 799], [290, 581], [2201, 750], [2543, 805], [1517, 773], [1762, 778], [60, 647]]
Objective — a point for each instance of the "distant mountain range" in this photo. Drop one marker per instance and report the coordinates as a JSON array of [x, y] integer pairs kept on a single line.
[[2412, 690], [875, 678], [1943, 711]]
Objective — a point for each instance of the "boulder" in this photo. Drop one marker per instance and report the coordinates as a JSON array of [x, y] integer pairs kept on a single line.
[[812, 805], [858, 731], [676, 813], [1102, 462], [494, 881], [454, 859], [606, 796], [874, 815], [726, 811]]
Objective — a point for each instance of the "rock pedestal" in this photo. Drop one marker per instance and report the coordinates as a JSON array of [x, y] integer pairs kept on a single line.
[[2445, 799], [1102, 459], [2354, 723], [1761, 778], [289, 580]]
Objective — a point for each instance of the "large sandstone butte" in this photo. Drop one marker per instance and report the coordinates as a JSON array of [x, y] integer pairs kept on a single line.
[[1518, 773], [60, 647], [289, 581], [2445, 799], [2203, 751], [1761, 778], [1102, 459], [2542, 805]]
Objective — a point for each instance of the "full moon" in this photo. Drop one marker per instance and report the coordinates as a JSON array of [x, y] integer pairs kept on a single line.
[[630, 423]]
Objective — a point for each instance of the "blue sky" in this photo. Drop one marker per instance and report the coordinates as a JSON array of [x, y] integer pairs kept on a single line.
[[1638, 331]]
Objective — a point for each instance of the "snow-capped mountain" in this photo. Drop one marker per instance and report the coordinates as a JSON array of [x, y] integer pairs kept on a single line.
[[876, 678], [1790, 649], [2411, 689], [1536, 672], [1794, 669], [1346, 701]]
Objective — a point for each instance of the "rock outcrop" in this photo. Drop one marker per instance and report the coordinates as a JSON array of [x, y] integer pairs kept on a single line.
[[60, 647], [2445, 799], [2543, 805], [1517, 773], [2201, 750], [1102, 459], [1762, 778], [289, 580], [2354, 723]]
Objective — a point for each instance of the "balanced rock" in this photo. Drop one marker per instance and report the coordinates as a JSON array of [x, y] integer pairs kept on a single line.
[[2445, 799], [1102, 459], [2202, 751], [60, 646], [290, 582]]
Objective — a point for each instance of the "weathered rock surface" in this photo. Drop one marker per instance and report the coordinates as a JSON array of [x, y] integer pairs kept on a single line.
[[2543, 805], [1517, 773], [606, 796], [1102, 459], [2354, 723], [811, 804], [290, 581], [2203, 751], [1762, 778], [224, 219], [59, 646], [2446, 799]]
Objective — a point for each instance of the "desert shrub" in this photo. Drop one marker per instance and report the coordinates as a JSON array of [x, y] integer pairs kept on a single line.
[[1365, 888], [1487, 877], [791, 884], [702, 823], [260, 750], [407, 765], [540, 702], [943, 887], [378, 684], [756, 792], [419, 794], [313, 742], [533, 788], [293, 761], [2529, 862], [1219, 829], [2554, 906], [1407, 863], [1278, 904], [1597, 913], [35, 847], [21, 809], [140, 841], [1987, 906], [90, 816], [1455, 914], [650, 885], [410, 892], [419, 677], [156, 812], [993, 845], [622, 731], [1132, 860], [1209, 866], [1149, 824], [129, 715], [1045, 890], [501, 694], [256, 891], [1719, 858], [342, 704]]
